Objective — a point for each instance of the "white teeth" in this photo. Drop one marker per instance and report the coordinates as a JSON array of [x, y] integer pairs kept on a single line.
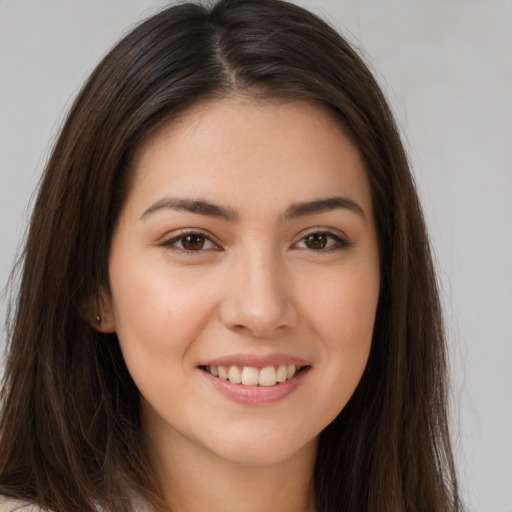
[[281, 373], [234, 375], [268, 376], [251, 376], [223, 372], [290, 371]]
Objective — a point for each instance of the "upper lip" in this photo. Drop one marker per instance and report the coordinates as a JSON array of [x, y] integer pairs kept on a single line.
[[256, 361]]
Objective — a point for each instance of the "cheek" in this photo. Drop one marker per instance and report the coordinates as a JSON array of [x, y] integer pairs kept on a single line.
[[343, 317], [157, 313], [344, 310]]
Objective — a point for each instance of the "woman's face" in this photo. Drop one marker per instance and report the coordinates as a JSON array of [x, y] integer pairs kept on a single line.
[[246, 250]]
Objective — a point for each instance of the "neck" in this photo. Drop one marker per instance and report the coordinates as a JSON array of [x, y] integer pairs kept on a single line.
[[194, 479]]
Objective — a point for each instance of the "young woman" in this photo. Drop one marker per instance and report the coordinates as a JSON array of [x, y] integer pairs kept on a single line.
[[227, 298]]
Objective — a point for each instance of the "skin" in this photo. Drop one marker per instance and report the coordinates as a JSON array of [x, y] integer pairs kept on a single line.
[[256, 287]]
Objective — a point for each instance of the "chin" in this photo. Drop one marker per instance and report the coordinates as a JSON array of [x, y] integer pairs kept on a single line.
[[265, 448]]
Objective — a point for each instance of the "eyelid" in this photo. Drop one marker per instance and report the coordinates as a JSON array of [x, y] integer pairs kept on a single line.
[[170, 240], [341, 238]]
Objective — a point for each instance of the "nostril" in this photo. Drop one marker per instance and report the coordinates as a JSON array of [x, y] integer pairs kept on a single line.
[[261, 318], [239, 328]]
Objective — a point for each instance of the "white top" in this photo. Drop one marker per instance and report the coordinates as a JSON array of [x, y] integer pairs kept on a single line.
[[10, 505]]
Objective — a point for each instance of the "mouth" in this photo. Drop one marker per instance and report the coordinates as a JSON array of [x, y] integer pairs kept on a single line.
[[267, 376]]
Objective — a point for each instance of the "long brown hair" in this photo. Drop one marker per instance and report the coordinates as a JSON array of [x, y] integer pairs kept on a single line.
[[70, 433]]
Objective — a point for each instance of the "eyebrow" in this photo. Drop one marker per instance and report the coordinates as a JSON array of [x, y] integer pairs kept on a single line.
[[296, 210], [198, 206]]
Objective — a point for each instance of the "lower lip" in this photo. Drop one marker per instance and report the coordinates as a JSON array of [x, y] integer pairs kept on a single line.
[[256, 395]]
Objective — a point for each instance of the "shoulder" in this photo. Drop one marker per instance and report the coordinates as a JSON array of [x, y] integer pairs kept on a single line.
[[12, 505]]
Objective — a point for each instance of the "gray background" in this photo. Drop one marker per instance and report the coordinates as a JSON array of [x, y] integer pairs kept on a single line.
[[446, 67]]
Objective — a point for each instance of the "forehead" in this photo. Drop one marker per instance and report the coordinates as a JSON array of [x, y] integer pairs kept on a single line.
[[238, 149]]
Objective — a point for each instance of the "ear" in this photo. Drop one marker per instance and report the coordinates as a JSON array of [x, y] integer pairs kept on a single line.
[[98, 313]]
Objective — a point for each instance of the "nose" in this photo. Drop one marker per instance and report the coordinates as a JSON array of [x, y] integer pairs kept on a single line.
[[258, 297]]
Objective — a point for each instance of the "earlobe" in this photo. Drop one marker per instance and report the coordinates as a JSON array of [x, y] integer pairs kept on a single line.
[[98, 313], [104, 324]]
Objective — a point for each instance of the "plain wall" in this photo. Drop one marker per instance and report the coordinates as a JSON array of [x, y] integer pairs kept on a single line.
[[447, 70]]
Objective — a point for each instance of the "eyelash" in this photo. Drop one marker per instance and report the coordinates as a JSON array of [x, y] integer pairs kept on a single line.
[[339, 242], [171, 244]]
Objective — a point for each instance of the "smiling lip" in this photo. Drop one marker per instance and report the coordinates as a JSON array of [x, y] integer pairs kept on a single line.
[[256, 394], [256, 361]]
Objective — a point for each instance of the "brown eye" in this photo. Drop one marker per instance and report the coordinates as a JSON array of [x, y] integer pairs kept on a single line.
[[322, 241], [193, 242], [190, 242], [316, 241]]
